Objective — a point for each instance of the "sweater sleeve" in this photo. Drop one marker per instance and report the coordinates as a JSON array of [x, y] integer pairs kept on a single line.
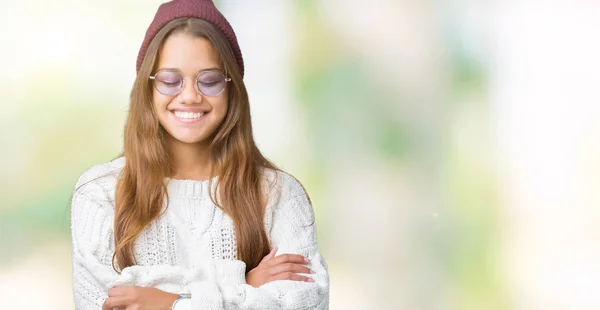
[[90, 232], [293, 231]]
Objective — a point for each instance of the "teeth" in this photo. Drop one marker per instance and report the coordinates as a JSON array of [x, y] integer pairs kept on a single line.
[[188, 115]]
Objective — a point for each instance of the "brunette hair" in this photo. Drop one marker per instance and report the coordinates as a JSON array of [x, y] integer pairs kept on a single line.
[[141, 188]]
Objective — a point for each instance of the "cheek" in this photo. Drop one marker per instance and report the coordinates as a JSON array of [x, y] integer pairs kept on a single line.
[[160, 101], [221, 109], [223, 105]]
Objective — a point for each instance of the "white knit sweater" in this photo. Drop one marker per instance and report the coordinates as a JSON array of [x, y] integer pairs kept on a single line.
[[191, 248]]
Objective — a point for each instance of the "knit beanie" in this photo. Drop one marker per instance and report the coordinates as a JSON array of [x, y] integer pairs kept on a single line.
[[202, 9]]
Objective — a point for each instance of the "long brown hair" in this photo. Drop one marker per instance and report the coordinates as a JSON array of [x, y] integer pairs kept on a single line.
[[141, 188]]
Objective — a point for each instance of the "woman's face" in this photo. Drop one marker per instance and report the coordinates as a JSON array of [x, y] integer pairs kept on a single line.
[[190, 116]]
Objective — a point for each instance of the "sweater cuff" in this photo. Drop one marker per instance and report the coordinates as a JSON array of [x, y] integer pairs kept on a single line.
[[229, 271], [206, 295]]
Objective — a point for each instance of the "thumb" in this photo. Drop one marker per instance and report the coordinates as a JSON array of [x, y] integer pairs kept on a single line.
[[270, 255]]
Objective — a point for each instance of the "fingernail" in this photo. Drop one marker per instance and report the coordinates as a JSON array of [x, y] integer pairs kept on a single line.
[[310, 280], [312, 271], [306, 261]]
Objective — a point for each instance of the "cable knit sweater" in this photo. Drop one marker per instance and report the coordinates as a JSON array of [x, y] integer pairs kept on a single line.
[[191, 247]]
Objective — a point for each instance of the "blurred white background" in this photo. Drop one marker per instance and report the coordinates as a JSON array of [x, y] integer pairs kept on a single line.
[[451, 148]]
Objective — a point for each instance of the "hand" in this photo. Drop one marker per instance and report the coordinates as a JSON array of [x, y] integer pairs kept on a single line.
[[138, 298], [282, 267]]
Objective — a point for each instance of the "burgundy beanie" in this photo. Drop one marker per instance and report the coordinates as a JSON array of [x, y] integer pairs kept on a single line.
[[202, 9]]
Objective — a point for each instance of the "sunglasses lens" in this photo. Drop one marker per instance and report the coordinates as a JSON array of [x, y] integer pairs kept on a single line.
[[168, 83], [211, 83]]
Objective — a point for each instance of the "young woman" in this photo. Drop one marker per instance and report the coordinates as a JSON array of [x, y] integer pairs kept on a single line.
[[192, 216]]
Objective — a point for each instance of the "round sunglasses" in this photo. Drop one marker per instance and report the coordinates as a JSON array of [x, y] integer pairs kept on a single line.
[[170, 82]]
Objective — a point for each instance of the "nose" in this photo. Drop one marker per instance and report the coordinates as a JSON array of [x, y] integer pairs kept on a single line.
[[189, 94]]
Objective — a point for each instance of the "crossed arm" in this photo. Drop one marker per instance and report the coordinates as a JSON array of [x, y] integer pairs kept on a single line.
[[283, 281], [271, 268]]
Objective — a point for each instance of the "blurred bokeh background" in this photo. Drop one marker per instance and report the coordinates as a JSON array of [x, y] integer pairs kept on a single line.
[[451, 148]]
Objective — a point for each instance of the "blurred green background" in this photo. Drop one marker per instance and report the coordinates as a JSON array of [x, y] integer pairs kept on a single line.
[[451, 148]]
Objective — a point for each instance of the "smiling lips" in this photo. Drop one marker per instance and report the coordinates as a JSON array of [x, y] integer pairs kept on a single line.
[[188, 117]]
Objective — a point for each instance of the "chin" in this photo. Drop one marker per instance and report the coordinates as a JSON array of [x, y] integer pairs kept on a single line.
[[190, 140]]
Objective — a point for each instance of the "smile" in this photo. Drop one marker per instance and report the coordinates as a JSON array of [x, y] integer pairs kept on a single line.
[[188, 117]]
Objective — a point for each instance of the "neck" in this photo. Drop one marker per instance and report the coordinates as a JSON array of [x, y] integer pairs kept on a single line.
[[191, 161]]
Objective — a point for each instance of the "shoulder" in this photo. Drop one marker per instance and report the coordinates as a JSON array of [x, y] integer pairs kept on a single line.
[[287, 194], [92, 206], [282, 185], [100, 178]]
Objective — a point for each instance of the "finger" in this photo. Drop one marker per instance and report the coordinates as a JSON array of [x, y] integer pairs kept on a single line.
[[115, 302], [289, 267], [270, 255], [289, 258], [291, 276], [117, 291]]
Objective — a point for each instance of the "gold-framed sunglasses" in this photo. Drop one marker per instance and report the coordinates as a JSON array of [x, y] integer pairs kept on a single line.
[[170, 82]]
